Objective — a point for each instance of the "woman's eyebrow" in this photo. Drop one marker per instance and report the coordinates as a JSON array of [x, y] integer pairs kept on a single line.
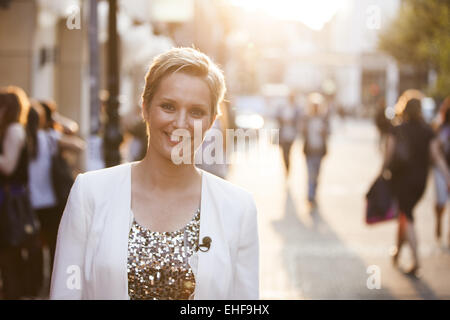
[[199, 105], [175, 102], [168, 99]]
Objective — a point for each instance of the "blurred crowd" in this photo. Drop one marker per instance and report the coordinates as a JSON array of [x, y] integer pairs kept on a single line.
[[36, 143], [310, 119]]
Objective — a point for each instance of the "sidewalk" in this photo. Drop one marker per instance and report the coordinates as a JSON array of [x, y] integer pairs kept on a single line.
[[325, 253]]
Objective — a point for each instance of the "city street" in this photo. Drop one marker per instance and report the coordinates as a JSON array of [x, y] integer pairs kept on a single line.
[[325, 253], [87, 85]]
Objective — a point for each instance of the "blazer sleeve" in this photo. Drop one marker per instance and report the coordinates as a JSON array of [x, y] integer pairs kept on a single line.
[[67, 276], [246, 279]]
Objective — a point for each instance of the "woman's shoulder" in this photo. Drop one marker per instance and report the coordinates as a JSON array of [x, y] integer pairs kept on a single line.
[[427, 130], [107, 177], [46, 134], [15, 134], [16, 130], [103, 185], [402, 129]]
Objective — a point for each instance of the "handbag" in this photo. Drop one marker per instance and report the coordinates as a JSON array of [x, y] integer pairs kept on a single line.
[[18, 222], [380, 202], [62, 178]]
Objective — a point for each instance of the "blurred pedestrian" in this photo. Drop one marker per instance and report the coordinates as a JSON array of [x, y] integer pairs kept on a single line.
[[409, 147], [46, 144], [287, 121], [315, 128], [443, 135], [69, 143], [15, 252], [133, 231], [137, 130], [213, 149], [56, 121]]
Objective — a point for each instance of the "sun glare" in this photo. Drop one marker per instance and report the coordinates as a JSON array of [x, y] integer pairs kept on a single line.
[[313, 14]]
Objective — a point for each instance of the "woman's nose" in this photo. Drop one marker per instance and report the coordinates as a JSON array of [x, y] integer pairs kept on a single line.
[[181, 120]]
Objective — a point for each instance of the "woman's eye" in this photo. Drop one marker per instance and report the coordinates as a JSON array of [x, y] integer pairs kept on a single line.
[[197, 113], [168, 107]]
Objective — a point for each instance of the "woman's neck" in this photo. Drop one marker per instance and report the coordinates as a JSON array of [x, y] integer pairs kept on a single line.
[[158, 172]]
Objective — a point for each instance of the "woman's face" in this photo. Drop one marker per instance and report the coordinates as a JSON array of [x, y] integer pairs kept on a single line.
[[180, 101]]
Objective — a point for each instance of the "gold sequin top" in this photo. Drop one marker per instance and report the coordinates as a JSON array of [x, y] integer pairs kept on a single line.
[[158, 266]]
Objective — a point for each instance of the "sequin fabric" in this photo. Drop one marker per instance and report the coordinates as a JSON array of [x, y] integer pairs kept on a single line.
[[158, 266]]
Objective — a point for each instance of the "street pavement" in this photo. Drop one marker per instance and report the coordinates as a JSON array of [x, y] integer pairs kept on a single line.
[[329, 252]]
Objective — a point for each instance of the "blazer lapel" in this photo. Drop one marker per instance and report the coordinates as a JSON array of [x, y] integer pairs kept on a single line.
[[112, 281], [213, 274]]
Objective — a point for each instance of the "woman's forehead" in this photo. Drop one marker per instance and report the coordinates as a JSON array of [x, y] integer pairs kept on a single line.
[[182, 87]]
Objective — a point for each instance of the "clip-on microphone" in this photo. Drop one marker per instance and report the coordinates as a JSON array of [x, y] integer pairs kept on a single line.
[[206, 243]]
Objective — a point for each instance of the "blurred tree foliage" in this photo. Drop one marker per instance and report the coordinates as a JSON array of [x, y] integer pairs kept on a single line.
[[420, 36]]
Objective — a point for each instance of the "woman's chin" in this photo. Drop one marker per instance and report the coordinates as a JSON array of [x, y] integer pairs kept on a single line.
[[175, 154]]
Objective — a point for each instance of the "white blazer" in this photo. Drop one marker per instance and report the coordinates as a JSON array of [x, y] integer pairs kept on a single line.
[[92, 248]]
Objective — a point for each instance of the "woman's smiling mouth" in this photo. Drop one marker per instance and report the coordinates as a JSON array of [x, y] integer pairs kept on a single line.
[[175, 139]]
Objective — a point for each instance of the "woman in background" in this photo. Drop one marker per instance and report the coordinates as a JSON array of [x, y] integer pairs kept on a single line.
[[287, 118], [409, 178], [14, 107], [46, 143], [315, 130]]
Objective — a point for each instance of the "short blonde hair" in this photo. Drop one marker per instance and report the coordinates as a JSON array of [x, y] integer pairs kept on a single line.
[[189, 61]]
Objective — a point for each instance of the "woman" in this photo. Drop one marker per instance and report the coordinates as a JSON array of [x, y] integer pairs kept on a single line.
[[14, 107], [45, 143], [409, 176], [154, 229]]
